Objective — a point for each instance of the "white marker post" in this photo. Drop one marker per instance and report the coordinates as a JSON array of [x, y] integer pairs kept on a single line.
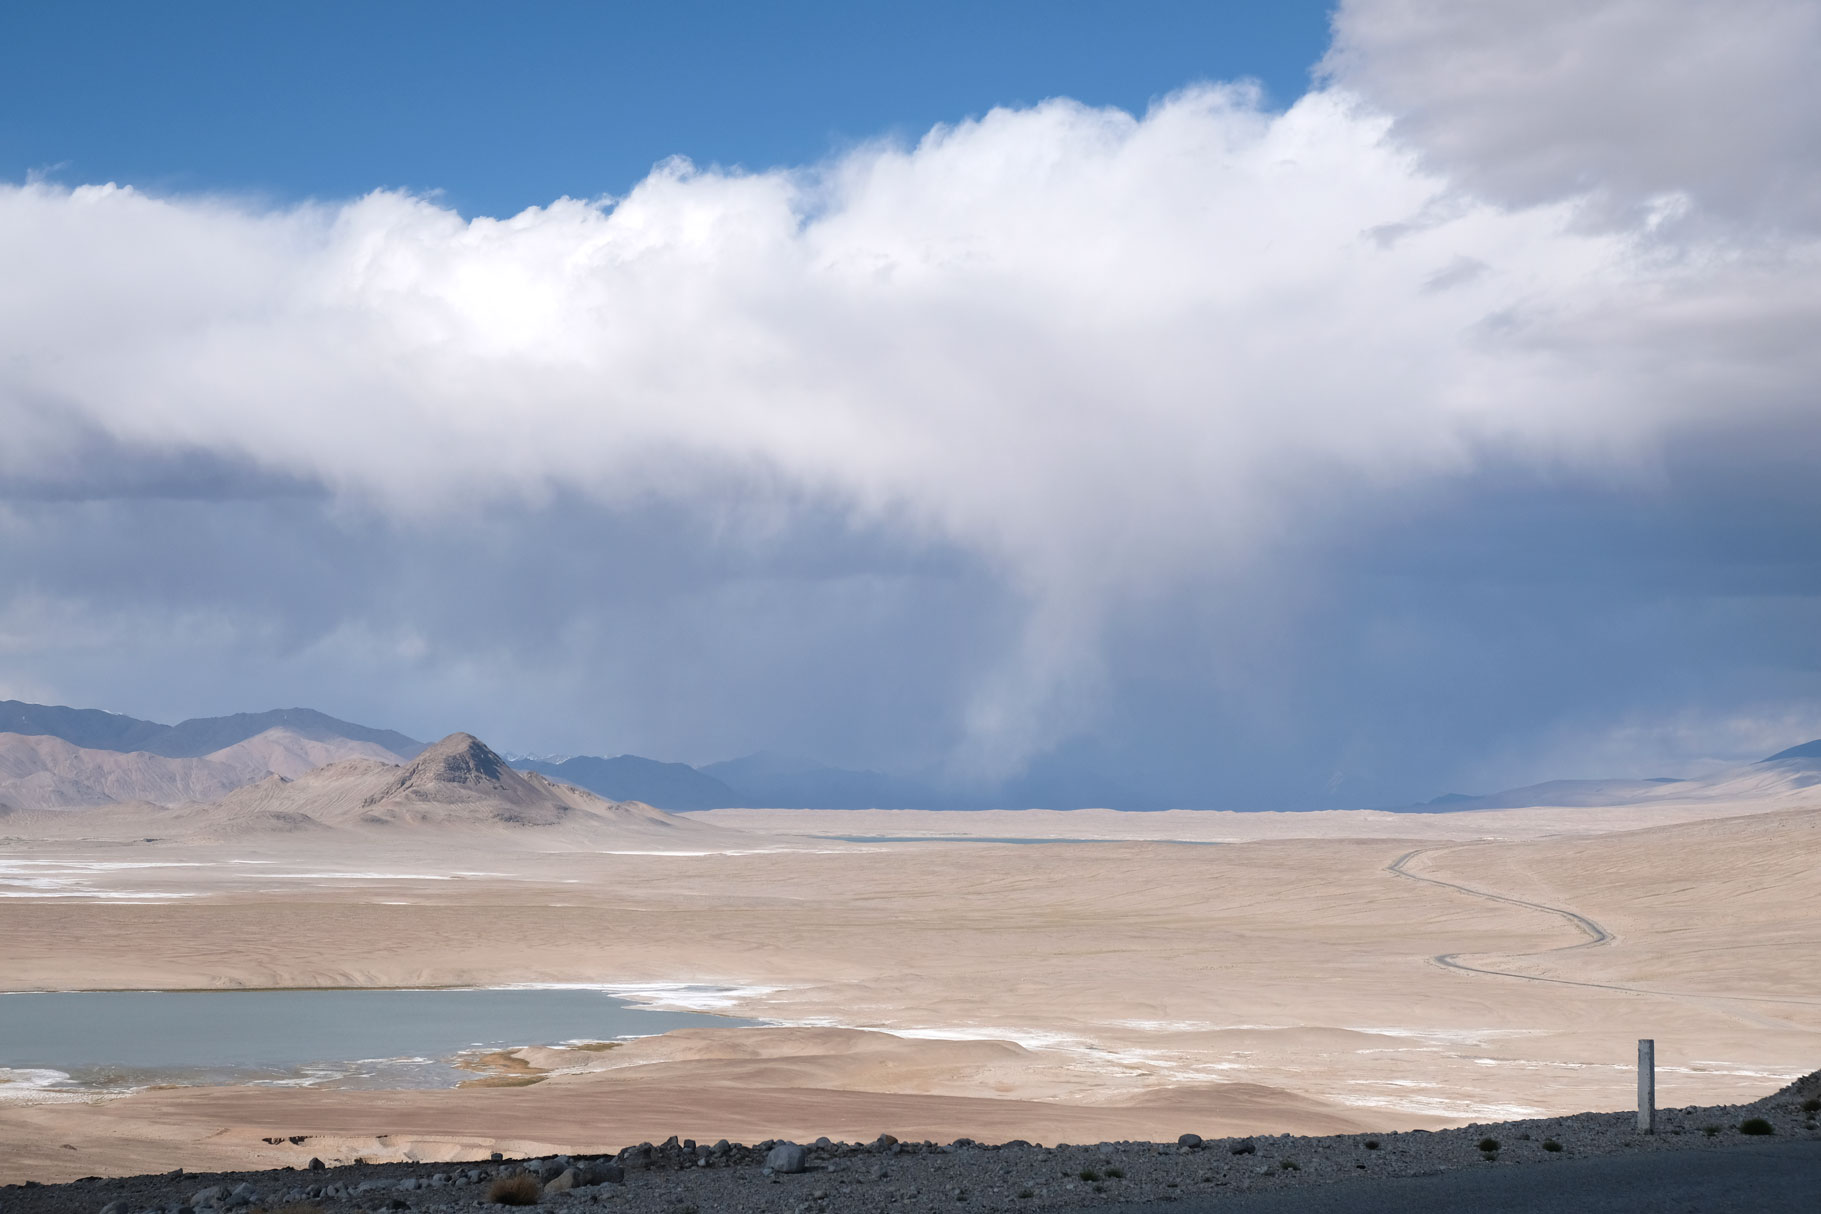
[[1647, 1086]]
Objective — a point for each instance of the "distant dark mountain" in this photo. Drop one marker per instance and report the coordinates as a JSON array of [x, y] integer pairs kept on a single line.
[[673, 786], [1583, 793], [782, 782], [1073, 777], [1808, 750], [93, 729], [1797, 767]]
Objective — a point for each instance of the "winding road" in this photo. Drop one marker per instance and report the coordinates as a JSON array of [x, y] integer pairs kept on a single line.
[[1596, 936]]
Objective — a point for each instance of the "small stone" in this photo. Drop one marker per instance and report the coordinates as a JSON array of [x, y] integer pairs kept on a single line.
[[1245, 1146], [114, 1207], [1189, 1140], [787, 1158], [316, 1165]]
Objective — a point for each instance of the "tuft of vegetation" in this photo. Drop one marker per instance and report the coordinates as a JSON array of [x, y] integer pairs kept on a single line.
[[1812, 1105], [1089, 1175], [1116, 1173], [1371, 1144], [1551, 1145], [521, 1189], [1489, 1145], [1756, 1125], [1289, 1165], [1026, 1193], [1712, 1131]]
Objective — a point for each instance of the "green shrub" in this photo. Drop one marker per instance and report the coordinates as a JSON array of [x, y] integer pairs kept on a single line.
[[1371, 1144], [1550, 1144], [1026, 1193], [1712, 1131], [1756, 1125], [1089, 1175], [1290, 1165], [1116, 1173], [1812, 1105]]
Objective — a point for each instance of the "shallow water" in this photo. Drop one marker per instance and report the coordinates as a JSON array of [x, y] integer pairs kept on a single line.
[[337, 1038]]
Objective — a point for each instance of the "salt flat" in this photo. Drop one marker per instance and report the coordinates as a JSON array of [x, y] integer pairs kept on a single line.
[[1122, 989]]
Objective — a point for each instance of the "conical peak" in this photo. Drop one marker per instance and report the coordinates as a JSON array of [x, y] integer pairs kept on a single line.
[[460, 758]]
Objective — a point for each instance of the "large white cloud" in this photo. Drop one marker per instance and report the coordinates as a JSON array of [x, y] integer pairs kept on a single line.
[[1110, 355]]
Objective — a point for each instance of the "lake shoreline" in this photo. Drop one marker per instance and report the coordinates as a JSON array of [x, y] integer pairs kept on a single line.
[[115, 1043]]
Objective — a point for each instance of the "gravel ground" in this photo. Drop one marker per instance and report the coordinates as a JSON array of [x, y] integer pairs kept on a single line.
[[886, 1175]]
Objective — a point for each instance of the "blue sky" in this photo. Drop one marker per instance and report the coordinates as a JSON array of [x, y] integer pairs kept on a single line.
[[1006, 396], [501, 107]]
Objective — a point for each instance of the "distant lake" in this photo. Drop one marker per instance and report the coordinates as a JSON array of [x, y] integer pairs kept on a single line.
[[340, 1038]]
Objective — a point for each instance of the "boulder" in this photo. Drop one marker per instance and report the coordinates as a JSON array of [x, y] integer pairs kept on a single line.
[[602, 1171], [787, 1158], [1245, 1146], [1189, 1140], [563, 1181]]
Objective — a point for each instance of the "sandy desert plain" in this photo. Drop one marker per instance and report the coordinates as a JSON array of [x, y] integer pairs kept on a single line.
[[1219, 973]]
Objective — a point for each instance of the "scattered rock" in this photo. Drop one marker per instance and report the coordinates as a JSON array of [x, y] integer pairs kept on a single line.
[[1189, 1140], [1245, 1146]]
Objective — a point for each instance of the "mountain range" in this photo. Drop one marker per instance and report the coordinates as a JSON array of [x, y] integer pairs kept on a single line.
[[93, 729], [55, 757], [457, 788]]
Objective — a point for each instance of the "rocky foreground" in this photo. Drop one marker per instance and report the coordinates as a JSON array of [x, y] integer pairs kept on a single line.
[[686, 1177]]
